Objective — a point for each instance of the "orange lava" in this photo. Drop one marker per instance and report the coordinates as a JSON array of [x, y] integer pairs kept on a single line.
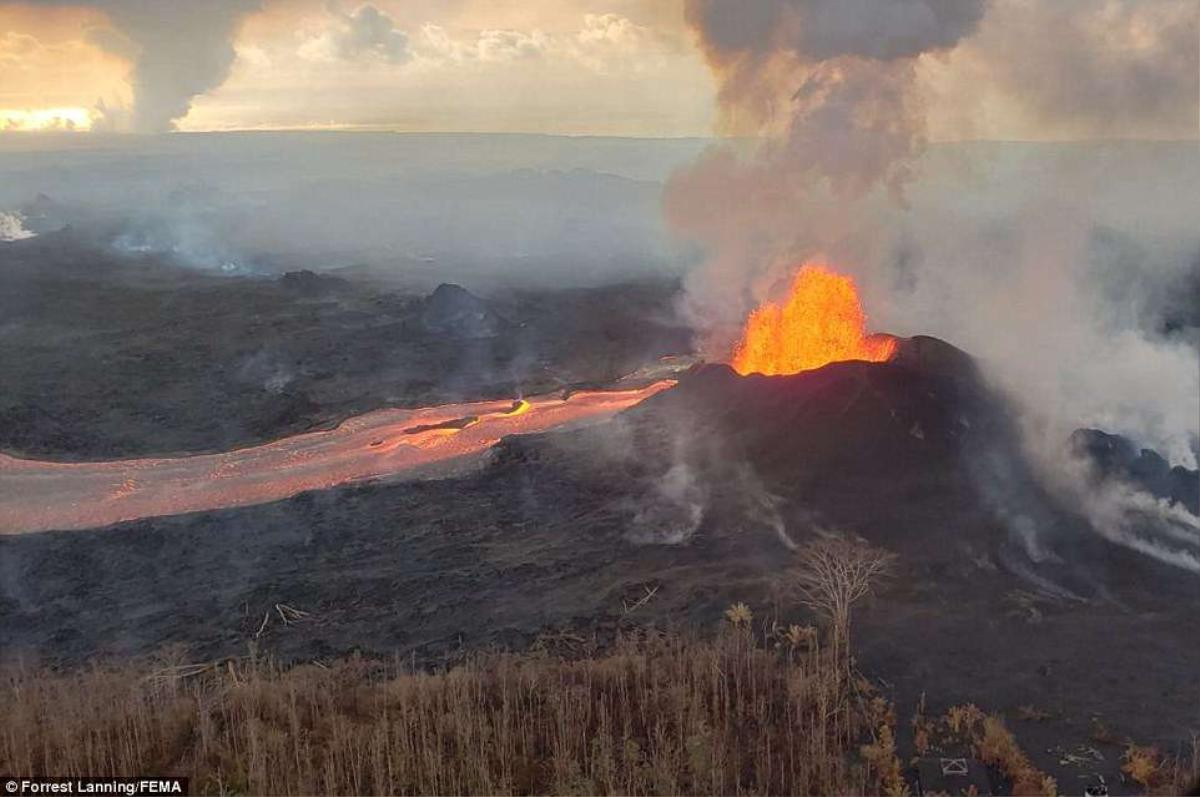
[[821, 321], [36, 496]]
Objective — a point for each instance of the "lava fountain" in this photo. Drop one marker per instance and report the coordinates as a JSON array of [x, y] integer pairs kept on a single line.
[[819, 322]]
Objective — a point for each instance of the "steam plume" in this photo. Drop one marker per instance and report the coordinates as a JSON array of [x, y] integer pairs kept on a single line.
[[1081, 68], [1025, 273], [178, 49], [12, 227], [830, 85]]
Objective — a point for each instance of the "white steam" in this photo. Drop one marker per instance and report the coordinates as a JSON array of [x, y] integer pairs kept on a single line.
[[1074, 69], [1046, 265], [1128, 516], [12, 227], [177, 49], [830, 89], [674, 511], [1050, 278]]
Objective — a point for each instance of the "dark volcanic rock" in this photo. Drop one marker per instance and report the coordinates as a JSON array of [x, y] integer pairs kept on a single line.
[[1116, 457], [915, 454], [705, 486], [857, 440], [105, 355], [452, 310], [43, 215], [1000, 596], [309, 283]]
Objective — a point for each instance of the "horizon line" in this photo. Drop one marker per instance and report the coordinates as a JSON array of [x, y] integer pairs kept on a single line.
[[383, 130]]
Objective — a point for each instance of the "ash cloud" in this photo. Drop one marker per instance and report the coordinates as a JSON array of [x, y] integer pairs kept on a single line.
[[825, 29], [177, 49], [829, 90], [1049, 264]]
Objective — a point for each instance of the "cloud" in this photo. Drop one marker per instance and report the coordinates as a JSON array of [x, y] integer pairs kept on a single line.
[[611, 42], [510, 45], [18, 48], [367, 34], [30, 60], [611, 30], [178, 49], [491, 46], [1076, 69], [604, 43]]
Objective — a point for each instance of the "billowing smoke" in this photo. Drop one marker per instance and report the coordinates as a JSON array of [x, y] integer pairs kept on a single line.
[[828, 89], [1058, 292], [12, 227], [1080, 68], [1046, 264], [177, 49]]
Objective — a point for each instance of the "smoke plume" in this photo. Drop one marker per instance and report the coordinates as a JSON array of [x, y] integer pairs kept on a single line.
[[1045, 264], [177, 49], [12, 227], [1078, 69], [827, 87]]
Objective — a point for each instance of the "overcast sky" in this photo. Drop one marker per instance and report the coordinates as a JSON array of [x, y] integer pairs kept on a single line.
[[1030, 69]]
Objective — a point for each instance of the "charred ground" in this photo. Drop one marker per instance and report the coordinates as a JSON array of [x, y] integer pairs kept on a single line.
[[106, 356], [697, 495]]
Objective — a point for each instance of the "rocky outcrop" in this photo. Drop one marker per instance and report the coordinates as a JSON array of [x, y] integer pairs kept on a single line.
[[1115, 457], [454, 311]]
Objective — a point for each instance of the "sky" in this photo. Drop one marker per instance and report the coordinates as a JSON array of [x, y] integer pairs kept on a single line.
[[1025, 70]]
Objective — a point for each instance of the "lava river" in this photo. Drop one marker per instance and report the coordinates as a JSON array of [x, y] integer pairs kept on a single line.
[[38, 495]]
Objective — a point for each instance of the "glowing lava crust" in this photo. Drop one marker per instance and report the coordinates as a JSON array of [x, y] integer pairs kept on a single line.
[[37, 495]]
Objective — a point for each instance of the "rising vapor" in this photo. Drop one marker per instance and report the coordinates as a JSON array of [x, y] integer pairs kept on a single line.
[[12, 227], [177, 49], [828, 86], [1032, 274]]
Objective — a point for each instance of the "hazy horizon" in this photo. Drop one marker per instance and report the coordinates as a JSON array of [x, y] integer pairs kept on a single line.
[[1120, 69]]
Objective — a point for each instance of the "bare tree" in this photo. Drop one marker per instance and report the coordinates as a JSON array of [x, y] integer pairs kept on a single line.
[[832, 574]]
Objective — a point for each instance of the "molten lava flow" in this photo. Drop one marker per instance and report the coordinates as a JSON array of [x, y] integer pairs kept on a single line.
[[820, 322], [36, 496], [519, 407]]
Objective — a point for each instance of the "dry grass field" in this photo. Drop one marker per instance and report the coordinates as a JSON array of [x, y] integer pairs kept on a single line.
[[655, 714], [741, 713]]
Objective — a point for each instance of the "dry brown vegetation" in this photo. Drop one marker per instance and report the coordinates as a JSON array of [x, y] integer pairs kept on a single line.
[[1143, 764], [1185, 769], [654, 714], [994, 745], [1159, 773], [998, 747], [880, 754], [777, 709], [831, 575]]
